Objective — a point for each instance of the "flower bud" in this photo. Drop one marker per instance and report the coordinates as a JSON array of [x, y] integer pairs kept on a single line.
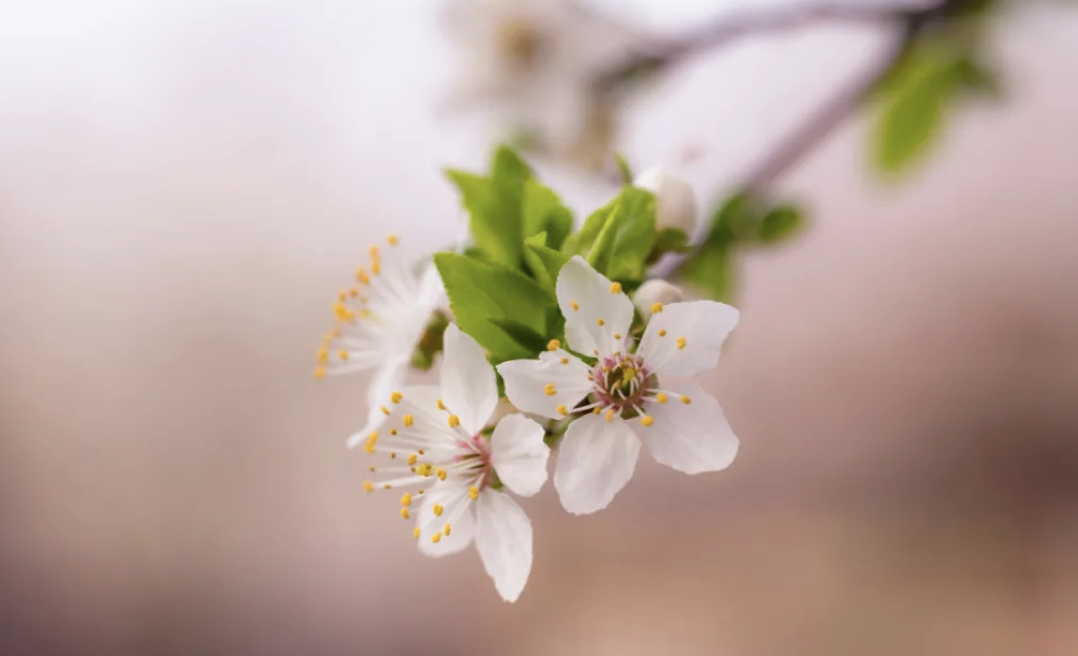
[[652, 292], [675, 202]]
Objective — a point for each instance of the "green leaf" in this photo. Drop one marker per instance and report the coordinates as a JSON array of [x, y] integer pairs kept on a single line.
[[977, 79], [623, 169], [528, 339], [634, 235], [780, 223], [543, 211], [710, 268], [545, 263], [480, 292], [581, 242]]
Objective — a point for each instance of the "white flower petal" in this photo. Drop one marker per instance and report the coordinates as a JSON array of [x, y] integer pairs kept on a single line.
[[431, 289], [504, 541], [519, 455], [595, 310], [469, 386], [596, 459], [456, 511], [527, 381], [691, 438], [385, 381], [684, 339]]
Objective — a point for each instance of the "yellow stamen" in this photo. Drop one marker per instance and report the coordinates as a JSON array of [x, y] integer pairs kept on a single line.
[[343, 355], [473, 492], [396, 397], [393, 241], [320, 372], [647, 420], [609, 415], [415, 533], [454, 421], [392, 431], [362, 276], [686, 400], [600, 321], [426, 469], [441, 406], [596, 411], [565, 360], [438, 509], [368, 486], [388, 486], [549, 390], [617, 335], [562, 410], [662, 333], [393, 456], [406, 499], [408, 421], [404, 513], [553, 345], [574, 305], [446, 530], [441, 474], [681, 342], [376, 267], [661, 398], [385, 411], [354, 292], [615, 288], [374, 253], [656, 308], [412, 459], [436, 538]]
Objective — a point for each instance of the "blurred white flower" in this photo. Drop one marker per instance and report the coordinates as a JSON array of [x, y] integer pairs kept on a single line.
[[379, 322], [655, 293], [630, 398], [538, 62], [675, 201], [437, 436]]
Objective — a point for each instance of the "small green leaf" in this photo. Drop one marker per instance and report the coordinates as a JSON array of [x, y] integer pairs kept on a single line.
[[494, 222], [479, 292], [543, 211], [545, 263], [710, 268], [780, 223], [623, 169], [528, 339], [669, 240], [581, 242], [635, 235], [977, 79]]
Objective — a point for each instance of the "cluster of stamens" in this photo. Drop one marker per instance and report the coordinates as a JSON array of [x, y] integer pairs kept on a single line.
[[349, 308], [438, 453]]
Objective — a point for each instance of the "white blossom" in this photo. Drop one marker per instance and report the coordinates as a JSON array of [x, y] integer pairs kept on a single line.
[[626, 397], [379, 321], [675, 201], [435, 440], [655, 291]]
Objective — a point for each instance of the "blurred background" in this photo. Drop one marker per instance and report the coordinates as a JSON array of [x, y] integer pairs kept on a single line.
[[185, 184]]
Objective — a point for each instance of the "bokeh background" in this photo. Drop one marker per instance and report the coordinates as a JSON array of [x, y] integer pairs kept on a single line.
[[185, 184]]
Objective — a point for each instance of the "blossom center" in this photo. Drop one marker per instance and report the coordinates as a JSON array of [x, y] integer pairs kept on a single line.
[[620, 381]]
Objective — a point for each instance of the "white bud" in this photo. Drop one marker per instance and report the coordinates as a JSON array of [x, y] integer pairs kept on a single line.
[[675, 202], [652, 292]]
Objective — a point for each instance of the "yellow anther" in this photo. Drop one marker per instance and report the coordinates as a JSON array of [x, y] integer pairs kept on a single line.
[[374, 253], [393, 456], [553, 345], [686, 400], [421, 452], [342, 296], [617, 335], [446, 530], [438, 509], [565, 360], [369, 447], [362, 276], [376, 267], [574, 305], [436, 538], [385, 411], [473, 492], [354, 292], [441, 474], [393, 241], [596, 411], [396, 397], [415, 533], [656, 308], [661, 398], [371, 468], [323, 355], [562, 410], [342, 354], [408, 421], [549, 389], [419, 492], [681, 342], [404, 513], [615, 288], [412, 459], [368, 486], [406, 499], [388, 486], [609, 415], [647, 420], [320, 372], [342, 312], [600, 321], [662, 333], [392, 431], [441, 405], [426, 469], [454, 421]]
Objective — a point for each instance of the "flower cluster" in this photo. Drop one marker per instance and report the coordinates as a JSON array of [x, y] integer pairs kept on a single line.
[[591, 354]]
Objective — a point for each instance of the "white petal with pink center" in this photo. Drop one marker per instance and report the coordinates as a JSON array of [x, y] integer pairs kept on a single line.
[[625, 397], [379, 321], [440, 452]]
